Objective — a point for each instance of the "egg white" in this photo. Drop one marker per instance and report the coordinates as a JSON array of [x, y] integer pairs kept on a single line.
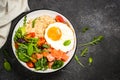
[[67, 34]]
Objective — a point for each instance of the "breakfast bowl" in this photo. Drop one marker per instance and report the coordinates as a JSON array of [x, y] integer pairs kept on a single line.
[[44, 41]]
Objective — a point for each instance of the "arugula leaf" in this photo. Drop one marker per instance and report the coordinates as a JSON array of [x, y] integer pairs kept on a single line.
[[84, 51], [95, 41], [57, 64], [25, 19], [84, 29], [78, 61], [90, 60], [67, 42], [41, 64], [7, 65]]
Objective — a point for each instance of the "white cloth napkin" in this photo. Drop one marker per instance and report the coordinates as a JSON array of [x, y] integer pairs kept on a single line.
[[9, 10]]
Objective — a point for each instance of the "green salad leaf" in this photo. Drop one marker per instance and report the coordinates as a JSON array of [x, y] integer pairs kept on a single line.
[[19, 33], [57, 64], [21, 51], [30, 49], [22, 57], [67, 43], [41, 64]]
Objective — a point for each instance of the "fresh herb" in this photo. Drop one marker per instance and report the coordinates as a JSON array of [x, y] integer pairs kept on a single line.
[[25, 20], [84, 51], [90, 60], [7, 65], [57, 64], [33, 23], [84, 29], [95, 40], [77, 59], [41, 64], [67, 42]]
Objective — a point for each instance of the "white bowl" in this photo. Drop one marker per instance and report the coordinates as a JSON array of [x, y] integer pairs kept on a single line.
[[33, 15]]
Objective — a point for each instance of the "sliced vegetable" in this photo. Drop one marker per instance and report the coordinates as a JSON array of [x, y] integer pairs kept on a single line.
[[78, 61], [58, 18], [57, 64], [84, 51], [7, 65], [33, 23], [67, 43]]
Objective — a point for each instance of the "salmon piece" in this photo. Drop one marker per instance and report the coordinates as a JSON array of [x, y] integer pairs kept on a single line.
[[59, 55], [39, 56], [45, 54], [64, 57], [56, 53], [50, 58]]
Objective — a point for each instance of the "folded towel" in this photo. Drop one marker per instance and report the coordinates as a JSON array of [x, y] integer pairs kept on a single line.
[[9, 10]]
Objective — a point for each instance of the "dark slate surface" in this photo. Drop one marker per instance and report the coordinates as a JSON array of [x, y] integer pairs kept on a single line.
[[103, 18]]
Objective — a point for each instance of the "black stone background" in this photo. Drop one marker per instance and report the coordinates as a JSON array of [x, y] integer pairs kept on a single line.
[[103, 18]]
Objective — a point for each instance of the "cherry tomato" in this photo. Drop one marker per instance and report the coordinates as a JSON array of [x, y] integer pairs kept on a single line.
[[58, 18], [30, 64]]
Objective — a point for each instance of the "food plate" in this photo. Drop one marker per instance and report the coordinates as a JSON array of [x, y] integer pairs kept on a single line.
[[32, 16]]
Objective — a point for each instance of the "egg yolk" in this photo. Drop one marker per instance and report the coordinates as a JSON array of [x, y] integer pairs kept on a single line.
[[54, 33]]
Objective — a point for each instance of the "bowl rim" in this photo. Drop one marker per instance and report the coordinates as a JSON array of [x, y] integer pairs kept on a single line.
[[51, 11]]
